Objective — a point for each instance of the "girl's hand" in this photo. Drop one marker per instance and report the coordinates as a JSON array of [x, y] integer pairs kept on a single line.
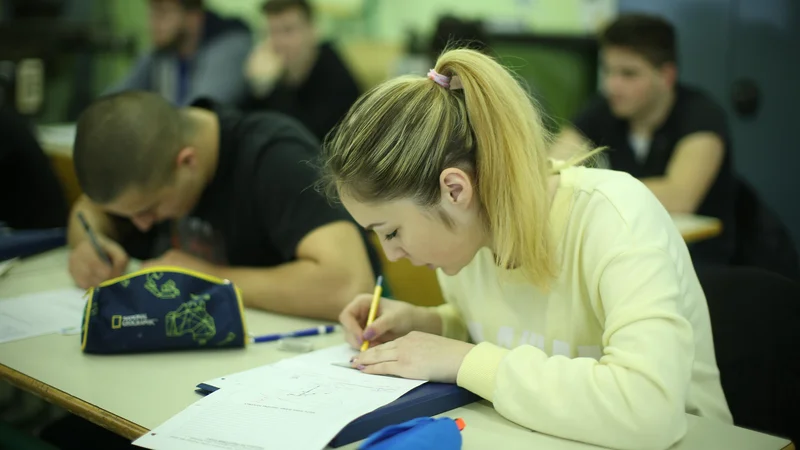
[[417, 355], [393, 319]]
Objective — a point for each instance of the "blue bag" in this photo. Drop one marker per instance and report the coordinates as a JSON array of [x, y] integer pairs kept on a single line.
[[162, 308], [418, 434]]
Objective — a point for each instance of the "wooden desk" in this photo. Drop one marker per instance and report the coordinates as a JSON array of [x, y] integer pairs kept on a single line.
[[132, 394], [695, 228]]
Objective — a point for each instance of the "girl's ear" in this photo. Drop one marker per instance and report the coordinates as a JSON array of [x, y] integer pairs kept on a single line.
[[456, 187]]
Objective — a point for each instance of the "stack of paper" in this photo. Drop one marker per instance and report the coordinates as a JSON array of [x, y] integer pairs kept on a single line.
[[298, 403], [40, 313]]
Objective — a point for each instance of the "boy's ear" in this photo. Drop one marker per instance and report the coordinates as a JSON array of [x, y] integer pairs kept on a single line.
[[670, 73], [187, 157]]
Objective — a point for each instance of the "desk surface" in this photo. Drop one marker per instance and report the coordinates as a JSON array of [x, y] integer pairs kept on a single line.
[[697, 228], [134, 393]]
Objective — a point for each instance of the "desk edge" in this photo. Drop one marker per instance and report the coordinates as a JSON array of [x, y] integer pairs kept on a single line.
[[713, 230], [88, 411]]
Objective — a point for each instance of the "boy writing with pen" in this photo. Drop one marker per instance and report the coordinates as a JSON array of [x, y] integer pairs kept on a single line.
[[210, 189]]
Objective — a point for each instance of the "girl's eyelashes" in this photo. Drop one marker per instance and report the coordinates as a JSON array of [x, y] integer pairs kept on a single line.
[[391, 235]]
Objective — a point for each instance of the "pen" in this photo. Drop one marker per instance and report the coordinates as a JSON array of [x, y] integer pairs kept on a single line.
[[93, 239], [373, 308], [323, 329]]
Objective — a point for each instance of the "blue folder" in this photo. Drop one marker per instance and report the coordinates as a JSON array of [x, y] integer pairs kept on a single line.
[[427, 400], [22, 243]]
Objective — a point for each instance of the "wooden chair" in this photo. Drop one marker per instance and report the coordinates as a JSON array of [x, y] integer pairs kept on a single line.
[[65, 171], [416, 285]]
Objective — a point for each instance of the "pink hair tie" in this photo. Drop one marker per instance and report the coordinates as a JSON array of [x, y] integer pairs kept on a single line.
[[440, 79], [446, 82]]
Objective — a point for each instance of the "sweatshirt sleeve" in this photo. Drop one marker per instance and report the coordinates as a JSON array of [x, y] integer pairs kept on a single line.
[[634, 396]]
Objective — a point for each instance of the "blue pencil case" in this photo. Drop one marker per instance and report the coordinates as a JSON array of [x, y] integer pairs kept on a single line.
[[422, 433], [162, 308]]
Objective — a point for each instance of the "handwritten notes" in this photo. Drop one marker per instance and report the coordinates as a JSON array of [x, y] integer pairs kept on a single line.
[[276, 406]]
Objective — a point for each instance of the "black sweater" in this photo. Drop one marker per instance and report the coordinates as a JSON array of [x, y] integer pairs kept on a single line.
[[320, 101]]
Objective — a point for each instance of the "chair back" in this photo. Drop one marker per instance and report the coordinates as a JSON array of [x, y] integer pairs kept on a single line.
[[755, 318]]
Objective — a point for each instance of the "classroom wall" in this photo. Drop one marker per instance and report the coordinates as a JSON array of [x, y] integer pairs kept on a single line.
[[127, 18], [389, 20], [543, 16]]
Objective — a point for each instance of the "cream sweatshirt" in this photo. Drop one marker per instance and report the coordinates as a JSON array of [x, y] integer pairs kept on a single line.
[[619, 348]]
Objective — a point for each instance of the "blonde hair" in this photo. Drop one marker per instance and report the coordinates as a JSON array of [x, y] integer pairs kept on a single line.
[[398, 138]]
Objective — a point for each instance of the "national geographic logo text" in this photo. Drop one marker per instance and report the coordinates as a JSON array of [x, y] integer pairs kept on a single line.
[[134, 320]]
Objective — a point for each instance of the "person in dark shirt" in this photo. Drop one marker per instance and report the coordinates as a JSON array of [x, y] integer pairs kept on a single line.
[[30, 194], [291, 72], [671, 136], [214, 190], [194, 55]]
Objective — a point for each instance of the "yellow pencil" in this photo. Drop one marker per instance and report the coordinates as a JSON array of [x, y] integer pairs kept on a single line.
[[373, 308]]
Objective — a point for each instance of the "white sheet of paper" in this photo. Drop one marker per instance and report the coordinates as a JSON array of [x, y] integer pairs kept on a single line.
[[62, 135], [41, 313], [275, 406], [320, 360]]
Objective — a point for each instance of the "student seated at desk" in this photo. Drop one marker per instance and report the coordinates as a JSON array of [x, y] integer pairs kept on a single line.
[[30, 193], [196, 55], [579, 294], [671, 136], [290, 71], [217, 191]]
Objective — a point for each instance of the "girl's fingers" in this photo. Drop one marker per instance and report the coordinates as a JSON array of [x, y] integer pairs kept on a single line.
[[382, 368]]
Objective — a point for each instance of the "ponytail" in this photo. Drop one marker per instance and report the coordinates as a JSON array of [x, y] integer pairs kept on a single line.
[[512, 167]]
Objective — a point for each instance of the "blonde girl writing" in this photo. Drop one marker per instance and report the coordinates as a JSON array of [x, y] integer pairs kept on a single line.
[[571, 300]]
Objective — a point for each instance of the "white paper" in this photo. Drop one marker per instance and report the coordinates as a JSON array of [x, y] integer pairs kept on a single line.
[[60, 135], [275, 406], [321, 360], [40, 313]]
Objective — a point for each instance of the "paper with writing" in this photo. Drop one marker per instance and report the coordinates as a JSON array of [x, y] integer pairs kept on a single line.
[[276, 406]]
